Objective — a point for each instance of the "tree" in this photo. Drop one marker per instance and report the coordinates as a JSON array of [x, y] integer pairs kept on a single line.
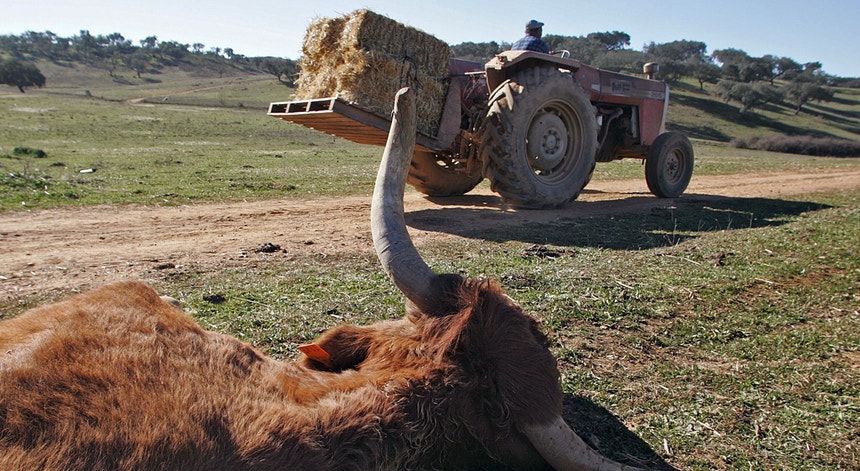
[[756, 69], [679, 59], [580, 48], [613, 41], [280, 67], [801, 93], [115, 43], [625, 60], [739, 66], [731, 61], [85, 43], [149, 43], [478, 52], [138, 62], [704, 72], [671, 70], [39, 44], [678, 51], [21, 74], [273, 67], [749, 95], [172, 50], [730, 56], [786, 67], [112, 63]]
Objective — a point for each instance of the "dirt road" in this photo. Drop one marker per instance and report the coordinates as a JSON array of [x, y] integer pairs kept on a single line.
[[82, 248]]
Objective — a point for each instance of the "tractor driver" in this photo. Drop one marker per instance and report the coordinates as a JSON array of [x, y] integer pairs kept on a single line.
[[532, 41]]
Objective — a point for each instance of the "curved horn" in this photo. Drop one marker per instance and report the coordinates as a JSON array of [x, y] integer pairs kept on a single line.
[[562, 448], [394, 248]]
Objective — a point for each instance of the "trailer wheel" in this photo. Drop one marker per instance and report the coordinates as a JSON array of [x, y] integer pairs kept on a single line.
[[669, 165], [539, 138], [436, 176]]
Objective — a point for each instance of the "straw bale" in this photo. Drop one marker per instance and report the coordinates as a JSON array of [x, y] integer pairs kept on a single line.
[[370, 31], [323, 34], [365, 58]]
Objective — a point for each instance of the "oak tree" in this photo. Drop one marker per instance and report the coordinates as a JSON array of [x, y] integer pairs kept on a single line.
[[21, 74]]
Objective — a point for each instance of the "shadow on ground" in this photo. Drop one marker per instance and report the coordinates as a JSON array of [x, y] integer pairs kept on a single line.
[[604, 433], [632, 223], [616, 442]]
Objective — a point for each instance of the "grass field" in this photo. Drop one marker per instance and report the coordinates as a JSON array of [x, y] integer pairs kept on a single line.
[[717, 336], [166, 154], [172, 153]]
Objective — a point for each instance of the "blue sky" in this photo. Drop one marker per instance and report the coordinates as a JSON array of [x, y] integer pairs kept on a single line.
[[824, 31]]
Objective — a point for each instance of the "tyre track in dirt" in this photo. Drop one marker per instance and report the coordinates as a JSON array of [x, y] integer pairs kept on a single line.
[[86, 247]]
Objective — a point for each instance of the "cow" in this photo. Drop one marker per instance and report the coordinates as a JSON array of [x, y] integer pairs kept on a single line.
[[121, 378]]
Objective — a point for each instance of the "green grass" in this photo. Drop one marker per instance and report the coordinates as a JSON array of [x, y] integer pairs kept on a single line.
[[166, 154], [182, 154]]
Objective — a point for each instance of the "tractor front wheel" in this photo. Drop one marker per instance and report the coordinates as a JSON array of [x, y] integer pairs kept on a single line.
[[669, 165]]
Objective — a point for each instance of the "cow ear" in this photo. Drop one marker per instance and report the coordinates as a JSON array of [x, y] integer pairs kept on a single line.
[[338, 349]]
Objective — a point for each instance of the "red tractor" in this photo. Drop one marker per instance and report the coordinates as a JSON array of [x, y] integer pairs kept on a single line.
[[533, 124]]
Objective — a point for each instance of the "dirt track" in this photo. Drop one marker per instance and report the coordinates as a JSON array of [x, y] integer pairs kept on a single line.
[[81, 248]]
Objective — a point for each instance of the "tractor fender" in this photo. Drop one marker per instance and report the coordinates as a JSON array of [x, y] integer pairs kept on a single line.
[[506, 63]]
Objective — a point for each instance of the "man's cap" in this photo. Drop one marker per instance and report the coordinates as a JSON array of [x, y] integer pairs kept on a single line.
[[534, 24]]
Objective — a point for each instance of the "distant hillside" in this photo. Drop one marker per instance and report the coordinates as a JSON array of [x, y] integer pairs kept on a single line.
[[702, 114], [186, 84], [174, 74], [125, 62]]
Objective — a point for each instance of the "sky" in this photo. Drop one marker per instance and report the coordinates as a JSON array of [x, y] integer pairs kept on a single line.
[[826, 31]]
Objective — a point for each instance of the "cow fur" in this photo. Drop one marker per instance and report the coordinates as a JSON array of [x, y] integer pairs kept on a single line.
[[118, 378]]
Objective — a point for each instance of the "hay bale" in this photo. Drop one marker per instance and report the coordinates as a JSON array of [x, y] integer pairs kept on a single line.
[[365, 58], [369, 31]]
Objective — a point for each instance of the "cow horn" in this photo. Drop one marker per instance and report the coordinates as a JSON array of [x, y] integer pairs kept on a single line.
[[562, 448], [394, 248]]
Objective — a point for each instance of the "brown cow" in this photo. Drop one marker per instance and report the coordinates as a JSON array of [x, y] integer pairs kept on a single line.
[[119, 378]]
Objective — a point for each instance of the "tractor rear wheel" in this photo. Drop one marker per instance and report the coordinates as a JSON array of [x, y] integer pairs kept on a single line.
[[539, 138], [434, 175], [669, 165]]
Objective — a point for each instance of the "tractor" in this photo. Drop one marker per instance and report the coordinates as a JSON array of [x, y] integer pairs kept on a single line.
[[533, 124]]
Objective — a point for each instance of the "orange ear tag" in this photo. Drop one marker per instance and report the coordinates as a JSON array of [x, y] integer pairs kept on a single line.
[[316, 353]]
